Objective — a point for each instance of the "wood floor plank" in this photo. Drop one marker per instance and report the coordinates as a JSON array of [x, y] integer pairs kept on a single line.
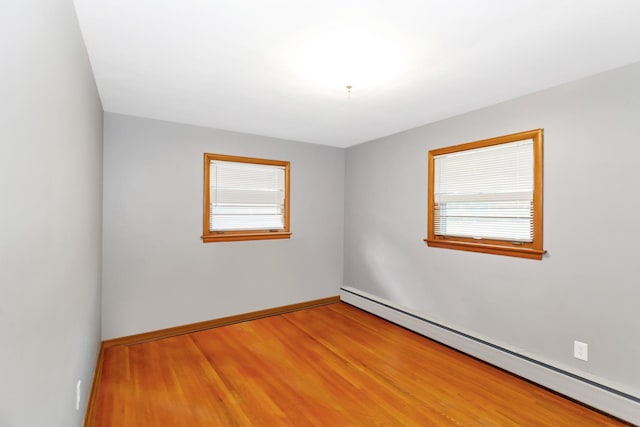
[[328, 366]]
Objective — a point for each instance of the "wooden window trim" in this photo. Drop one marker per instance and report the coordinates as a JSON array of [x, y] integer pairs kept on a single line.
[[243, 235], [530, 250]]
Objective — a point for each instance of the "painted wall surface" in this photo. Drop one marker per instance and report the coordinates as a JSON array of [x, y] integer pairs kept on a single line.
[[159, 274], [585, 288], [50, 215]]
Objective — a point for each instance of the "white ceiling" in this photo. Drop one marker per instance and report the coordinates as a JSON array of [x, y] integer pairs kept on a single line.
[[236, 65]]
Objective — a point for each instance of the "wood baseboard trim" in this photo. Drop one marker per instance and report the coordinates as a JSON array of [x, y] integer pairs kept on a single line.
[[95, 386], [215, 323]]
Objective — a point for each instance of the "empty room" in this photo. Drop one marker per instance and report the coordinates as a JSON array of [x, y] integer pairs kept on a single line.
[[298, 213]]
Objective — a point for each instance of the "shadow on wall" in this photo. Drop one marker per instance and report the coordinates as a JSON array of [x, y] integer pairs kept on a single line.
[[391, 271], [404, 277]]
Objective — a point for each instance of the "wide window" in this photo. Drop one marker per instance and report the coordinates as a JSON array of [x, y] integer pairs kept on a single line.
[[486, 196], [245, 199]]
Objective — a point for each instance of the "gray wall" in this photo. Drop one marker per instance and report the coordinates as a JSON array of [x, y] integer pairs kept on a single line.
[[158, 273], [51, 187], [586, 288]]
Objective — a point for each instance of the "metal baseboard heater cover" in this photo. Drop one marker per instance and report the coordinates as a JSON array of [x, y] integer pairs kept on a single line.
[[599, 396]]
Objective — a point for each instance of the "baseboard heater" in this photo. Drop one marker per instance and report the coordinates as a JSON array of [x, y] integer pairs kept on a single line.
[[599, 396]]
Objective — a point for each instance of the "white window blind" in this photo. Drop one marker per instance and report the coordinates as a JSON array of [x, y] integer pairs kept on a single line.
[[246, 196], [486, 193]]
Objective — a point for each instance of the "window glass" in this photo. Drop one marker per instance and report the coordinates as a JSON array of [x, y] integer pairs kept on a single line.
[[245, 198], [486, 196]]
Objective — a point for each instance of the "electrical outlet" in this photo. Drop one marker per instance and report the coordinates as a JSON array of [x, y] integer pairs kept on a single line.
[[78, 395], [581, 351]]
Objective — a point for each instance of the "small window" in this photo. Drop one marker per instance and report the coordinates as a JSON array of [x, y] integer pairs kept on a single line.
[[245, 199], [486, 196]]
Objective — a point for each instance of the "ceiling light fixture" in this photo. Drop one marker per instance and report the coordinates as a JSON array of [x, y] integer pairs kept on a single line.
[[357, 56]]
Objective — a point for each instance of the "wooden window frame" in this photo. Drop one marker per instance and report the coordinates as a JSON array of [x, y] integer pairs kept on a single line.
[[209, 236], [530, 250]]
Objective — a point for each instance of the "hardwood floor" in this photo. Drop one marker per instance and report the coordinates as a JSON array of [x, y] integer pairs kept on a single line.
[[328, 366]]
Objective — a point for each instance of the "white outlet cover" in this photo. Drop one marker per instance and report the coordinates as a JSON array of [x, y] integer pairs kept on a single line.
[[581, 350]]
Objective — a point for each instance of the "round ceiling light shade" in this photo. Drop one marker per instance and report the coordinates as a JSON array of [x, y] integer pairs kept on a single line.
[[349, 57]]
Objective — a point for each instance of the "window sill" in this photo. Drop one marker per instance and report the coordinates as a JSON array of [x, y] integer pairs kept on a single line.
[[514, 251], [236, 237]]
